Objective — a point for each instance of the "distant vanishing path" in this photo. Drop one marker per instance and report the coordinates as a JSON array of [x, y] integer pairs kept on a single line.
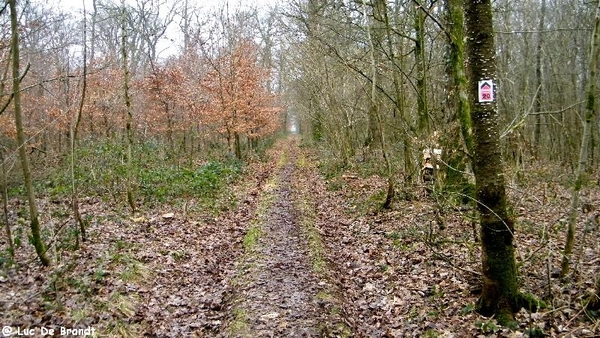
[[277, 291]]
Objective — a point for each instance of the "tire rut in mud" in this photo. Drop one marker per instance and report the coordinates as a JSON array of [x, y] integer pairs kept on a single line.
[[277, 290]]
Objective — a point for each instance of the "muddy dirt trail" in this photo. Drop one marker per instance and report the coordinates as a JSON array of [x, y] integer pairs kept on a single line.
[[278, 292]]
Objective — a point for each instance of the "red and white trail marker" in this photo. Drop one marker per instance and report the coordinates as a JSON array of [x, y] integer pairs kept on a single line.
[[485, 91]]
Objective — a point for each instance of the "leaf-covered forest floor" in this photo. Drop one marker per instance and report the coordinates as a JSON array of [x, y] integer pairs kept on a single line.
[[294, 254]]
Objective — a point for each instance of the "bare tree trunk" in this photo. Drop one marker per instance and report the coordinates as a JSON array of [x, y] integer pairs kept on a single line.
[[459, 162], [422, 107], [500, 295], [537, 134], [9, 238], [238, 145], [74, 131], [378, 8], [129, 110], [399, 107], [186, 28], [36, 238], [457, 60], [585, 140]]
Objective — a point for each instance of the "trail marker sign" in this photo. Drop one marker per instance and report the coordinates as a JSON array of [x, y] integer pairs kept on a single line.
[[485, 90]]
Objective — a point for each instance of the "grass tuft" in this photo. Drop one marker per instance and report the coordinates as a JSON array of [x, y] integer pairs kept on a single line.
[[134, 271], [239, 325], [122, 304], [251, 238]]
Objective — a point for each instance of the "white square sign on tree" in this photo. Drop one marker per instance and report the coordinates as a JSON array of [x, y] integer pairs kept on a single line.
[[485, 90]]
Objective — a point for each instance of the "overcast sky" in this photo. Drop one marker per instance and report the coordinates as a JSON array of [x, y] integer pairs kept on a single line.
[[77, 4], [170, 43]]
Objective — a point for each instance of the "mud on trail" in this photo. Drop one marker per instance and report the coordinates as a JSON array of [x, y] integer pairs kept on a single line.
[[280, 289]]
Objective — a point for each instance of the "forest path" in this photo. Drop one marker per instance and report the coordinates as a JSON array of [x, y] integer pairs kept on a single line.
[[279, 290]]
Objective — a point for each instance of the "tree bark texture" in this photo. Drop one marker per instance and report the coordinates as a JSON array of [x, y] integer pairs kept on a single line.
[[500, 292], [457, 64]]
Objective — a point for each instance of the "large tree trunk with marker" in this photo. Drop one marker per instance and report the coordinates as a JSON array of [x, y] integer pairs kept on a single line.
[[500, 294]]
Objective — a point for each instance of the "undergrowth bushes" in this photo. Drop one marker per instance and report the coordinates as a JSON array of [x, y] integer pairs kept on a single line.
[[166, 182], [160, 176]]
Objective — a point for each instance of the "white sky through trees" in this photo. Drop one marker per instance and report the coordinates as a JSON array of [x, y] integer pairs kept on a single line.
[[172, 42]]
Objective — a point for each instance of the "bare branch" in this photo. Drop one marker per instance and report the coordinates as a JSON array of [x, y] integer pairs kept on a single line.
[[557, 111]]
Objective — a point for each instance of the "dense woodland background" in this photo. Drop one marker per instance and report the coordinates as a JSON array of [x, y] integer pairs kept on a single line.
[[165, 106], [311, 58]]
